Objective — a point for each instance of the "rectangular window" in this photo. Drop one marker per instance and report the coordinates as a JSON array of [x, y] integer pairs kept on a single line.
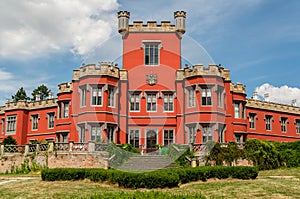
[[151, 51], [51, 117], [111, 96], [65, 113], [192, 134], [221, 128], [151, 102], [168, 137], [238, 138], [252, 118], [243, 111], [268, 122], [110, 134], [298, 126], [236, 110], [191, 97], [220, 94], [207, 134], [83, 97], [34, 121], [168, 102], [135, 102], [82, 134], [96, 133], [64, 137], [206, 97], [11, 121], [134, 138], [96, 96], [283, 121], [2, 125]]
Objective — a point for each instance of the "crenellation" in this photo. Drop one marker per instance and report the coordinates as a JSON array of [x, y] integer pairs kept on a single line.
[[103, 69], [29, 105], [65, 88], [200, 70], [238, 88], [271, 106]]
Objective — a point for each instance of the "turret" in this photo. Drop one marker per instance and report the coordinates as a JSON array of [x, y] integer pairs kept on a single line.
[[179, 17], [123, 17]]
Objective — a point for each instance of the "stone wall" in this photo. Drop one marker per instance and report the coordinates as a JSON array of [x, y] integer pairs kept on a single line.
[[11, 162]]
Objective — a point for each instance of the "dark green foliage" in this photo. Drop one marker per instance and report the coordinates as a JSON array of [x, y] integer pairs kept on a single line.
[[128, 147], [9, 140], [42, 90], [264, 154], [20, 95], [155, 179], [145, 195]]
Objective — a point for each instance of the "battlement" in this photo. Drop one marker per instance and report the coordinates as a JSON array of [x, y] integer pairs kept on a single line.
[[28, 105], [151, 26], [238, 88], [65, 88], [103, 69], [200, 70], [271, 106]]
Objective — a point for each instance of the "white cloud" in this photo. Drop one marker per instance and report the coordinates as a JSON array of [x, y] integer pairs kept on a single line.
[[35, 27], [283, 94]]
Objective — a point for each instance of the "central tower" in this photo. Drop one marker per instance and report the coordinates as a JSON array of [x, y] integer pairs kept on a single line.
[[151, 56]]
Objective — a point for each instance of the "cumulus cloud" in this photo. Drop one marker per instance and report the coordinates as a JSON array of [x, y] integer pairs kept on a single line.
[[283, 94], [35, 27]]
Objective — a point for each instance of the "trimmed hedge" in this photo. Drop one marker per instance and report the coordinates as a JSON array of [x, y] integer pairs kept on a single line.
[[155, 179]]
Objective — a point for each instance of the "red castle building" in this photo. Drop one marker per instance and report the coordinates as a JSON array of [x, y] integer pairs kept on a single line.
[[150, 100]]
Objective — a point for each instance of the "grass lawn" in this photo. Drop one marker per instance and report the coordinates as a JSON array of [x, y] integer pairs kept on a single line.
[[281, 183]]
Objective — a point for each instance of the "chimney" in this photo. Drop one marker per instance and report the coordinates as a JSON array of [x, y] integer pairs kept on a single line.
[[37, 97], [50, 95], [254, 95], [266, 97], [294, 102]]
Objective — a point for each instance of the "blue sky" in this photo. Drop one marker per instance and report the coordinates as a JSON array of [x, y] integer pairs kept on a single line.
[[42, 41]]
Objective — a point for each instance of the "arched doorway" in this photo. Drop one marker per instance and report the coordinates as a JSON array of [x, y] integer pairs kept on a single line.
[[151, 140]]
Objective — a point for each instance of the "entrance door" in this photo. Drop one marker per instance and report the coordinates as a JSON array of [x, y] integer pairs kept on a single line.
[[151, 140]]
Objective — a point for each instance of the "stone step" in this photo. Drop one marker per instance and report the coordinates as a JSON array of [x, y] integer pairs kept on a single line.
[[147, 163]]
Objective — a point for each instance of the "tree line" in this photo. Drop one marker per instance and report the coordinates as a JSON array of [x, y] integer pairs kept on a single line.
[[41, 90]]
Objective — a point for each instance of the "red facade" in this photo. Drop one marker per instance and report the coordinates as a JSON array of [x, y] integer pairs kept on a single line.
[[150, 100]]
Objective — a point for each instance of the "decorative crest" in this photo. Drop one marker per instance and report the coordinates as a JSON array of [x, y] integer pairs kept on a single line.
[[151, 79]]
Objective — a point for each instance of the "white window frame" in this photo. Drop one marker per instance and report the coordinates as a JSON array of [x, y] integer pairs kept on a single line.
[[220, 96], [134, 102], [192, 133], [151, 102], [206, 96], [268, 119], [96, 96], [51, 119], [96, 133], [11, 124], [297, 124], [34, 122], [65, 109], [207, 133], [146, 45], [110, 133], [252, 120], [83, 91], [168, 102], [134, 140], [236, 109], [191, 97], [284, 122], [111, 96], [169, 140]]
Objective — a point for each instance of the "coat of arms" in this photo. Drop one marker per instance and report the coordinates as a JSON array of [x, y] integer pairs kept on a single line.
[[151, 79]]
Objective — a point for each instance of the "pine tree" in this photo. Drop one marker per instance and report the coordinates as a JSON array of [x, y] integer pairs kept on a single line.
[[20, 95], [41, 90]]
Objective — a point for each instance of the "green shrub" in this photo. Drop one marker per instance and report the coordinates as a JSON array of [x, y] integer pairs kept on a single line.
[[155, 179]]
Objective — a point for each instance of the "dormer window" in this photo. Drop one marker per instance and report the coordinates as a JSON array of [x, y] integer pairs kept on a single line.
[[151, 52]]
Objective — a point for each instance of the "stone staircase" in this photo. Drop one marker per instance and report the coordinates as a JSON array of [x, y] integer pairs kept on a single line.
[[147, 163]]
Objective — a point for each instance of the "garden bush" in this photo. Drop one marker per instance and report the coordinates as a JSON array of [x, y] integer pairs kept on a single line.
[[155, 179]]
